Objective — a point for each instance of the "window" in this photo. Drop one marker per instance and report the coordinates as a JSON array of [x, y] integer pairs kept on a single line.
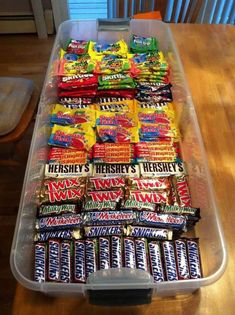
[[87, 9]]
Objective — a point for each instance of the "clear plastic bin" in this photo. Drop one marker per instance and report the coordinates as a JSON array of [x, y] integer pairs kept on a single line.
[[112, 282]]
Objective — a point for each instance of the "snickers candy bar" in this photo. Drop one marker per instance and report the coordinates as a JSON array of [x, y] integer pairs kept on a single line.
[[181, 259], [109, 217], [171, 221], [141, 254], [158, 197], [169, 260], [106, 183], [116, 252], [104, 253], [40, 257], [54, 260], [90, 256], [68, 234], [138, 205], [149, 232], [150, 183], [194, 258], [48, 210], [65, 261], [103, 230], [61, 222], [155, 261], [129, 252], [79, 271]]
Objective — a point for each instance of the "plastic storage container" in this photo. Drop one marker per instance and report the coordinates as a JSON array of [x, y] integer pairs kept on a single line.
[[107, 286]]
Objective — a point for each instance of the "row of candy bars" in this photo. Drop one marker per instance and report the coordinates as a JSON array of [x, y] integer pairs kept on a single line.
[[91, 193], [74, 261]]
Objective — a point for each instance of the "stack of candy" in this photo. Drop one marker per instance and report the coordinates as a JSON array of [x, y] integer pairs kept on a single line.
[[77, 80], [115, 192]]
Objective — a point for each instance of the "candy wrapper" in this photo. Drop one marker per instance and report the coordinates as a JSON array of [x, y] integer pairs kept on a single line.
[[76, 102], [116, 80], [77, 81], [113, 153], [82, 138], [82, 65], [64, 116], [69, 156], [74, 46], [124, 106], [104, 183], [118, 48], [111, 64], [143, 44], [126, 120], [117, 134]]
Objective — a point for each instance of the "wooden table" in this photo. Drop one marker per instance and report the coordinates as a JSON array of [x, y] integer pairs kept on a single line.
[[208, 55]]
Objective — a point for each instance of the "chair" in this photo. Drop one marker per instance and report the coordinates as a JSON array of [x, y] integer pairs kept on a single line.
[[18, 101]]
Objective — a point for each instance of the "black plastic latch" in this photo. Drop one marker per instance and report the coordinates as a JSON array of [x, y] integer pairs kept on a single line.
[[120, 297]]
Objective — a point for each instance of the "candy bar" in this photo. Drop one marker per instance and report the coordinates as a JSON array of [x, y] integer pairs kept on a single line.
[[141, 254], [169, 261], [106, 230], [161, 169], [68, 170], [65, 261], [171, 221], [54, 260], [131, 170], [131, 204], [74, 195], [104, 253], [129, 252], [109, 217], [193, 214], [149, 232], [91, 205], [104, 183], [183, 193], [79, 261], [68, 156], [105, 195], [48, 210], [155, 259], [181, 259], [60, 222], [194, 258], [150, 183], [91, 256], [158, 197], [68, 234], [40, 256], [116, 252]]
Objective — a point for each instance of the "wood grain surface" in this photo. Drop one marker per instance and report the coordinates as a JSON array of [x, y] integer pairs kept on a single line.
[[207, 53]]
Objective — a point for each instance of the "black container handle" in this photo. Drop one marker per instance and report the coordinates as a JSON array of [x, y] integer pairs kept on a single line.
[[115, 25], [120, 297]]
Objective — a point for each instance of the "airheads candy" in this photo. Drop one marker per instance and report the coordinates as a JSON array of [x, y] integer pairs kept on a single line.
[[64, 116], [78, 136]]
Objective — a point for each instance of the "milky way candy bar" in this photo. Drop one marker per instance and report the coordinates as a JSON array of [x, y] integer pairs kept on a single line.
[[48, 210]]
